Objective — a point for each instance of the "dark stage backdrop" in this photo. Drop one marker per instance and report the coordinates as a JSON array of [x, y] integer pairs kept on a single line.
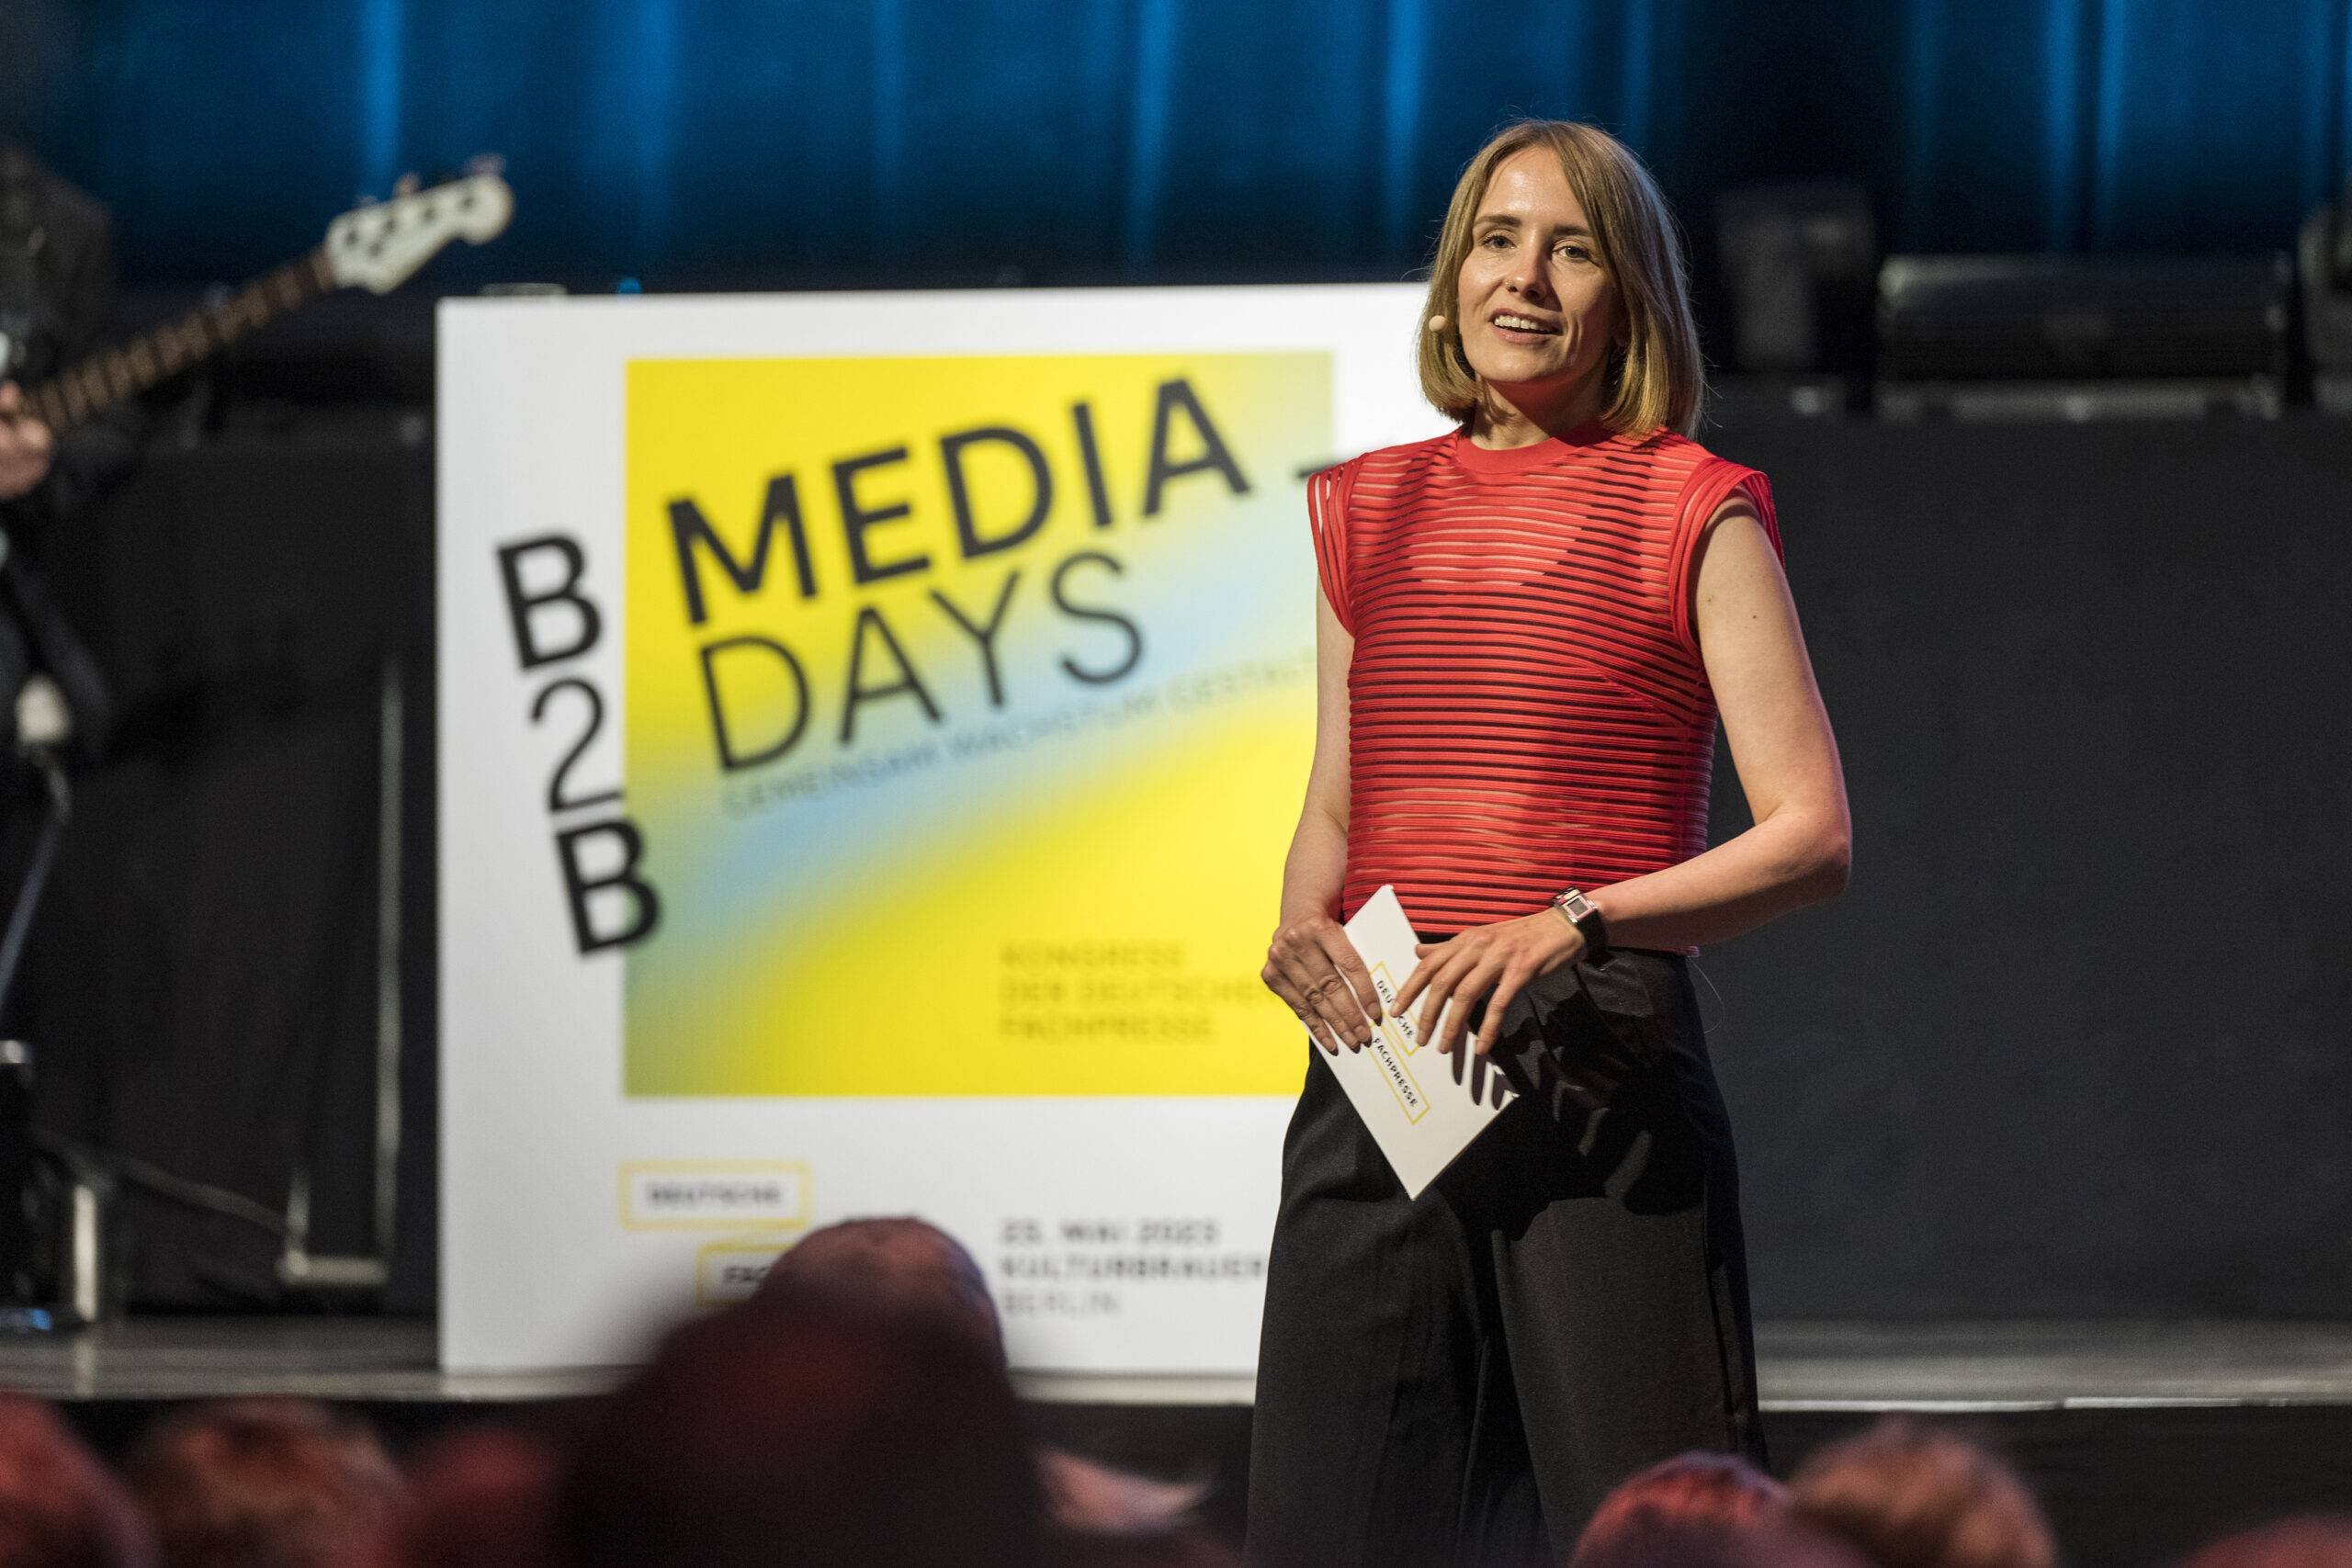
[[2076, 1038], [2075, 1043]]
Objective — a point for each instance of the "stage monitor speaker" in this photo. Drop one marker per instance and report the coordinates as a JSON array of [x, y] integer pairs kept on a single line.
[[1799, 262], [2082, 337]]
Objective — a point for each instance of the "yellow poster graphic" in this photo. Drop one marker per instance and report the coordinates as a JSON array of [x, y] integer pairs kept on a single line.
[[965, 709]]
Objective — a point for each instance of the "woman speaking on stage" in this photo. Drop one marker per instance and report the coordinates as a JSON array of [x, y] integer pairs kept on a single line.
[[1527, 630]]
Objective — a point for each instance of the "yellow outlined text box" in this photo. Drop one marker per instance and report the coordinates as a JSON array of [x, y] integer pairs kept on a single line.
[[713, 1194], [729, 1271]]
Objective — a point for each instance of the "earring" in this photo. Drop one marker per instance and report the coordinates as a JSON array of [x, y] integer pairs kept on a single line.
[[1437, 323]]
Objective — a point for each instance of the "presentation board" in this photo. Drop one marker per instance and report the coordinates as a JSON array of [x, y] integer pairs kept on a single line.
[[870, 731]]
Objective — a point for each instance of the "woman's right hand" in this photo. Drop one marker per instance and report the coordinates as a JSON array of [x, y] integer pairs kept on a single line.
[[1313, 966]]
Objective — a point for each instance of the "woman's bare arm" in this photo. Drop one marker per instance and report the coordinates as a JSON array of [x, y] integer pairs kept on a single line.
[[1800, 847], [1317, 862], [1310, 964]]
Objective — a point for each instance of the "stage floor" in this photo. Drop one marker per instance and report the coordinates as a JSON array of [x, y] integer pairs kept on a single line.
[[1826, 1367]]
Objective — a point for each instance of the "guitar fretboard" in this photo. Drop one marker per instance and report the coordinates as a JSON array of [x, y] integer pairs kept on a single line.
[[105, 379]]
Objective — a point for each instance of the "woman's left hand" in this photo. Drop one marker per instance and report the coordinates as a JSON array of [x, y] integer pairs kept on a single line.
[[1497, 959]]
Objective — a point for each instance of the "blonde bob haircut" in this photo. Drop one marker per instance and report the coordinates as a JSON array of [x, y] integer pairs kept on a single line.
[[1657, 379]]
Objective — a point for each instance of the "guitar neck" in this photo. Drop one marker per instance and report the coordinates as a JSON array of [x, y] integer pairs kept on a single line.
[[105, 379]]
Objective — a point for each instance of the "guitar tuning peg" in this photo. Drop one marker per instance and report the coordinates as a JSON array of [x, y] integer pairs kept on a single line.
[[407, 184]]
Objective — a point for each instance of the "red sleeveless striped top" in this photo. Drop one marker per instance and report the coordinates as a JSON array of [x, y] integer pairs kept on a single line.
[[1528, 710]]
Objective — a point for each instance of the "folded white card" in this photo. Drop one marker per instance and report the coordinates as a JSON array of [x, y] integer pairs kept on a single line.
[[1421, 1108]]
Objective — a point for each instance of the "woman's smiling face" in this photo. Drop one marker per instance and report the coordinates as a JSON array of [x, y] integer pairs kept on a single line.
[[1534, 309]]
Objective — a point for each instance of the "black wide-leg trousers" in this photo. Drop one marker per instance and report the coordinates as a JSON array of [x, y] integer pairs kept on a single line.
[[1460, 1379]]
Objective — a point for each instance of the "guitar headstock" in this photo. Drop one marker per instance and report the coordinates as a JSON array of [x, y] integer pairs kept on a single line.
[[380, 245]]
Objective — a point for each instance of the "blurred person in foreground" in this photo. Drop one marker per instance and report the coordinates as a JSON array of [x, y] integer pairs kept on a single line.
[[1690, 1492], [905, 1264], [1905, 1495], [262, 1484], [2304, 1540], [483, 1498], [811, 1430], [895, 1263], [57, 306], [1778, 1543], [58, 1507], [1528, 628]]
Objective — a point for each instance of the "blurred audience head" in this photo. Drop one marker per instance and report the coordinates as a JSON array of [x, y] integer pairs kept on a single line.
[[1767, 1543], [483, 1498], [2307, 1541], [1692, 1490], [900, 1264], [1094, 1498], [807, 1429], [904, 1265], [1909, 1496], [261, 1484], [1149, 1549], [59, 1508]]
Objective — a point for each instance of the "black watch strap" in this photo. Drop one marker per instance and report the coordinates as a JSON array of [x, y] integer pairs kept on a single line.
[[1582, 913]]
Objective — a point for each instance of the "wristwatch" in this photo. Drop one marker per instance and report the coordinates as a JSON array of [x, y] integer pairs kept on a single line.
[[1580, 912]]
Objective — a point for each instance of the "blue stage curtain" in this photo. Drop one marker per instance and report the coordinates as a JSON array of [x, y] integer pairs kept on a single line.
[[693, 142]]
